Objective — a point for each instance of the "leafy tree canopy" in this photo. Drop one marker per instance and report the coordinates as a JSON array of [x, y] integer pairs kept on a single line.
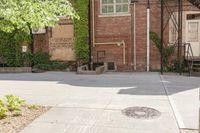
[[25, 15]]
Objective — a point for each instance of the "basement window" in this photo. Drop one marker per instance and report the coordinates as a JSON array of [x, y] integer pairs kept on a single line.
[[114, 6]]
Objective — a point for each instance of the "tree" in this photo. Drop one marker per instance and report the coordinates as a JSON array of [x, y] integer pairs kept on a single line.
[[25, 15]]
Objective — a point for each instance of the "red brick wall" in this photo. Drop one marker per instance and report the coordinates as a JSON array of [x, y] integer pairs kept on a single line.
[[112, 29], [117, 28], [41, 42]]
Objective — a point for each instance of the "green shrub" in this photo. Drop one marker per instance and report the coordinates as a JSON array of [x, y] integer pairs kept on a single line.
[[10, 47], [52, 66], [40, 58], [14, 102], [3, 110]]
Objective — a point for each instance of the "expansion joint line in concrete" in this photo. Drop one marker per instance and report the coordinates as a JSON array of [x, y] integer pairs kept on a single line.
[[176, 114]]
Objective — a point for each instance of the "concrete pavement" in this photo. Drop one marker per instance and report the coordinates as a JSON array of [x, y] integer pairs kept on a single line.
[[93, 103]]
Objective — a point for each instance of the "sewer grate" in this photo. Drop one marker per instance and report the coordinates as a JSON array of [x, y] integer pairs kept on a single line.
[[141, 112]]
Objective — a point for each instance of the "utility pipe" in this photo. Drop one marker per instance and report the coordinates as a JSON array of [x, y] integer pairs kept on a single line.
[[134, 38], [148, 35], [118, 44]]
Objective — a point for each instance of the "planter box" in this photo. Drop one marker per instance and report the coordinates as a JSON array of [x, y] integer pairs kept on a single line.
[[15, 69]]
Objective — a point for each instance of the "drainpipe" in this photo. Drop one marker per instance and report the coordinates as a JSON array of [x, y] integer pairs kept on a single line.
[[148, 35], [134, 39], [133, 25]]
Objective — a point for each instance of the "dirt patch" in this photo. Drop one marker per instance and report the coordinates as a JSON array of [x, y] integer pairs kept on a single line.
[[14, 123]]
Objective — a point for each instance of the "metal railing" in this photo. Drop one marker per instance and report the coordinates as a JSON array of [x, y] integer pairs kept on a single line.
[[189, 57]]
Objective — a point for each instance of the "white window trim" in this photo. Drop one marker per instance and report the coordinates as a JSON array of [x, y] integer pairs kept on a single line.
[[114, 13]]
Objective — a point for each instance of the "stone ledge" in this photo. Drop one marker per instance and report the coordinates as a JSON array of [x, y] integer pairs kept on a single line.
[[84, 70], [15, 69]]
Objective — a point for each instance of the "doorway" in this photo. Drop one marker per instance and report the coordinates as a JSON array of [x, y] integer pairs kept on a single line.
[[193, 32]]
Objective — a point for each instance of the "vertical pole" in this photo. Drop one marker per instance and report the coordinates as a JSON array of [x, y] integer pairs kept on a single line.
[[89, 31], [161, 34], [180, 36], [148, 35]]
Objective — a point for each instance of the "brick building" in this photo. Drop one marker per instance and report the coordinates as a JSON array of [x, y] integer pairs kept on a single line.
[[119, 32]]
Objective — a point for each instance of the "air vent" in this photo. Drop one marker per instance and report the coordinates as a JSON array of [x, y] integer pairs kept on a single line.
[[111, 66]]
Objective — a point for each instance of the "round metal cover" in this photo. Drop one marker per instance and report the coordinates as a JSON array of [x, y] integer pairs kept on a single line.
[[141, 112]]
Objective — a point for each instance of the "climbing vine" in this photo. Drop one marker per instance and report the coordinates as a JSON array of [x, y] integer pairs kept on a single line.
[[168, 50], [10, 48], [81, 30]]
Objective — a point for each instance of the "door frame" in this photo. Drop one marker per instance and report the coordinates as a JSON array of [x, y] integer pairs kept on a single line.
[[186, 29]]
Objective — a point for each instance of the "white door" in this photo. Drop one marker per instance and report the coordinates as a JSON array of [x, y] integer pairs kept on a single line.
[[193, 35]]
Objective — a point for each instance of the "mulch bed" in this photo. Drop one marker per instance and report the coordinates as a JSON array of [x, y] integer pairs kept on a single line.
[[14, 124]]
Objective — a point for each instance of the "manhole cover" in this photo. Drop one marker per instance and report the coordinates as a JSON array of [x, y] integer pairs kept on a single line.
[[141, 112]]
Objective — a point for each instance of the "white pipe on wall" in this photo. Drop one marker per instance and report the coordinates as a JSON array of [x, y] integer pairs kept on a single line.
[[134, 38], [148, 38]]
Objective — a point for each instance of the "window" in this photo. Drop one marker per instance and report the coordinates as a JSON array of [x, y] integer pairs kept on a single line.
[[193, 16], [114, 6], [193, 31]]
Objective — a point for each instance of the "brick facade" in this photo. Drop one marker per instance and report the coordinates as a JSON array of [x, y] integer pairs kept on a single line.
[[115, 28], [119, 28]]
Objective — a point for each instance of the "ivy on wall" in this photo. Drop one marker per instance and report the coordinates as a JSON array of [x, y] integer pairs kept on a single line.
[[168, 50], [10, 48], [81, 30]]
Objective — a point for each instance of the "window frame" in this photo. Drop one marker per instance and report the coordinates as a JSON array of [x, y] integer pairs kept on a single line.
[[114, 9]]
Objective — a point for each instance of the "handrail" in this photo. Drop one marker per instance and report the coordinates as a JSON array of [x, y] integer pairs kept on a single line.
[[189, 54], [189, 57]]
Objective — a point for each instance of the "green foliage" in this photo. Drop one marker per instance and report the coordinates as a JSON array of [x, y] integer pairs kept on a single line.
[[42, 61], [167, 50], [81, 30], [25, 15], [52, 66], [10, 48], [3, 110], [40, 58], [14, 102]]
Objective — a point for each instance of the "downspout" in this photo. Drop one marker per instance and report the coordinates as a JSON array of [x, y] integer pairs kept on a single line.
[[133, 32], [148, 35], [134, 38]]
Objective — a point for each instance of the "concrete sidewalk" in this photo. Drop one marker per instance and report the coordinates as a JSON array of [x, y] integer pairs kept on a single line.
[[94, 104]]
